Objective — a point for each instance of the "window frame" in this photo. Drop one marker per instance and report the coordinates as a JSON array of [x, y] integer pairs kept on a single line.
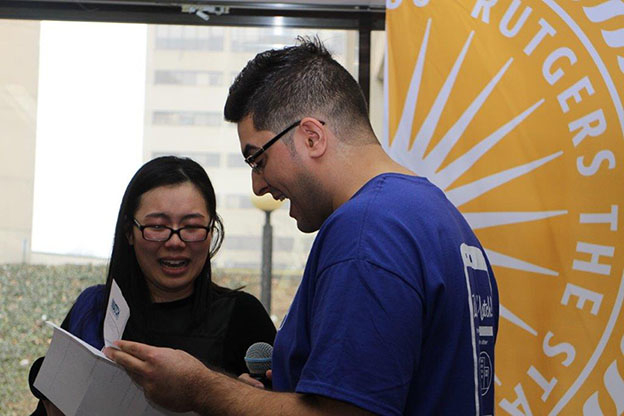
[[363, 16]]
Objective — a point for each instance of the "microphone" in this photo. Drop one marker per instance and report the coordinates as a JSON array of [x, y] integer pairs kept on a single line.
[[258, 359]]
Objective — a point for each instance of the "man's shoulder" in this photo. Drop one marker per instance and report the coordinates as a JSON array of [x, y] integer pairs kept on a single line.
[[391, 193], [391, 200]]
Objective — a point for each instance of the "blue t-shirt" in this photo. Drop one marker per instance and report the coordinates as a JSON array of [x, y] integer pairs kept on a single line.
[[397, 311]]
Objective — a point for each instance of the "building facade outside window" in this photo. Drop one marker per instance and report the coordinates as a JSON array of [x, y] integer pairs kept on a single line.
[[192, 78]]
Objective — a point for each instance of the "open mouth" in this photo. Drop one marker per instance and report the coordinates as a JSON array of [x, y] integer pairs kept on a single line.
[[173, 264], [279, 197]]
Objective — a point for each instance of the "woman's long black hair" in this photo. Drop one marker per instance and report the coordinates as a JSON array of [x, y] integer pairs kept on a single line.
[[124, 268]]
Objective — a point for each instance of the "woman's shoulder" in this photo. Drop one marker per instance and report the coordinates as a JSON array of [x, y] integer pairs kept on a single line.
[[89, 300], [87, 314], [242, 299], [247, 301], [92, 294]]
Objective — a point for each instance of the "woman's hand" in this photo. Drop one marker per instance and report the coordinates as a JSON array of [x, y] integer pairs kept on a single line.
[[246, 378]]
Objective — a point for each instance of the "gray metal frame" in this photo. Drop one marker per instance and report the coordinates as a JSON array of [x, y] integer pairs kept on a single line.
[[349, 15]]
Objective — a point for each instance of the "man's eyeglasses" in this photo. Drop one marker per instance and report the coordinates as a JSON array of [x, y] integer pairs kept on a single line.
[[161, 233], [251, 159]]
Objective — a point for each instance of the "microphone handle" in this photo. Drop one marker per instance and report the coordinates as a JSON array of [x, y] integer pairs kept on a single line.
[[263, 378]]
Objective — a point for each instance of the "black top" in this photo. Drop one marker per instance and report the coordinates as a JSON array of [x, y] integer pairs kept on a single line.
[[236, 320]]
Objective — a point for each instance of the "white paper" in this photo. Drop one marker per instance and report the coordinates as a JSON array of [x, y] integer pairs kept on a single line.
[[80, 380], [117, 314]]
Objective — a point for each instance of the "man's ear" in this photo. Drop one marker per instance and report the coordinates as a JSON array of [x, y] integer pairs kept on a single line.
[[315, 136]]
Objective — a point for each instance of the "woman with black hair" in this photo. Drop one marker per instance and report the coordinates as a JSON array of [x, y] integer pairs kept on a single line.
[[167, 231]]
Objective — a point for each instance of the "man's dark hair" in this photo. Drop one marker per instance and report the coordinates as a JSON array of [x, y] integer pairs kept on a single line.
[[281, 86]]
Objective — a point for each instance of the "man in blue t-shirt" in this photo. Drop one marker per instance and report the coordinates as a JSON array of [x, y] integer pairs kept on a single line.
[[384, 314], [397, 311]]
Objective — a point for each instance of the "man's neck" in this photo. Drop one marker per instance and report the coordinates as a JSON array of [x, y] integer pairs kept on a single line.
[[363, 164]]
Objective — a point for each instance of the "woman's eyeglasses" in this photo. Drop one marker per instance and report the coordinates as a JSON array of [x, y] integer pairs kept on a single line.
[[161, 233]]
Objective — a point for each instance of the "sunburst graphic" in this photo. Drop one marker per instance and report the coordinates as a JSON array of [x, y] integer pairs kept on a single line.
[[430, 165], [497, 133], [604, 12]]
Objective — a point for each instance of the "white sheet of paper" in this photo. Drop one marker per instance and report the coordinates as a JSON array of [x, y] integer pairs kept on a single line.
[[80, 380], [117, 314]]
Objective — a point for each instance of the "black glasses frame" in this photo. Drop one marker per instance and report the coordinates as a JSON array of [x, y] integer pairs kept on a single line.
[[251, 159], [172, 231]]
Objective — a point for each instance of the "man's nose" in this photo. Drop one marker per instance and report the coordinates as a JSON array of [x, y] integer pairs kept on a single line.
[[258, 184]]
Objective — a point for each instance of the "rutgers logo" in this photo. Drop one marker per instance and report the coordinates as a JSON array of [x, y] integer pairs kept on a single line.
[[514, 109]]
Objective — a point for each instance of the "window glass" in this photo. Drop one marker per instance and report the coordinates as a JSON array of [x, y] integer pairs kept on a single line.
[[191, 78], [236, 160]]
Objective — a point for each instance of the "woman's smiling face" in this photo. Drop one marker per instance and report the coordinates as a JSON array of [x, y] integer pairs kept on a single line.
[[171, 267]]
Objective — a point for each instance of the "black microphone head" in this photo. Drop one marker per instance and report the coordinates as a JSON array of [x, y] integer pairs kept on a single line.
[[259, 358]]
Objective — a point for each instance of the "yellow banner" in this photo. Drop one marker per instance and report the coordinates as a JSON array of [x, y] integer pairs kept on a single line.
[[514, 108]]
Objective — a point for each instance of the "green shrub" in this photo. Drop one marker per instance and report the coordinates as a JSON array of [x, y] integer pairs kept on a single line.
[[30, 295]]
